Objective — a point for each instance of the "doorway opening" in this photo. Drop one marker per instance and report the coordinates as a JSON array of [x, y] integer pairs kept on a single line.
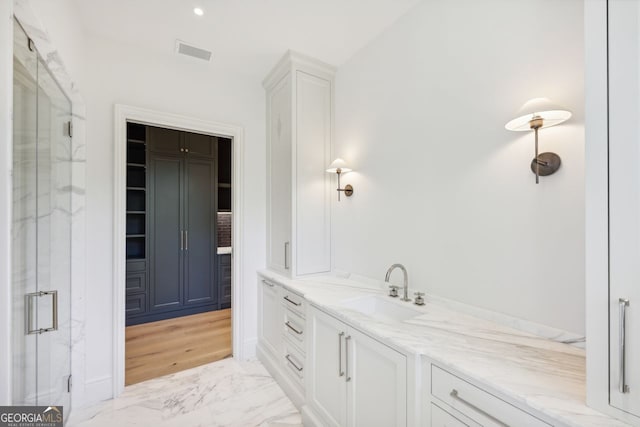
[[178, 237]]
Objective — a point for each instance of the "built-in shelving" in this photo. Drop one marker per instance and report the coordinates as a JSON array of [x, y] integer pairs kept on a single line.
[[224, 175], [136, 191]]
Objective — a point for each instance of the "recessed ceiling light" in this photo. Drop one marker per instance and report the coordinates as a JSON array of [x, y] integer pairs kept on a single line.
[[198, 11]]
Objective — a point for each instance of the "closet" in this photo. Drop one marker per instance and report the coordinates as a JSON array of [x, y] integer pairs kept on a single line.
[[176, 194]]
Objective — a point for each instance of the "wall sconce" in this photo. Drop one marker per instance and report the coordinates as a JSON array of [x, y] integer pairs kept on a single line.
[[339, 166], [536, 114]]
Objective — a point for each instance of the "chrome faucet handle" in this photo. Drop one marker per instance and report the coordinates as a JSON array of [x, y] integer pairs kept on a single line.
[[419, 298], [393, 291]]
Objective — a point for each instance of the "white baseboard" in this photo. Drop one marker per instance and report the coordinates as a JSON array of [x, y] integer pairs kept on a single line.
[[96, 390], [249, 349], [275, 369], [309, 418]]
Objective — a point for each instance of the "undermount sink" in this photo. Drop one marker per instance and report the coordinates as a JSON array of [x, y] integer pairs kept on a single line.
[[380, 307]]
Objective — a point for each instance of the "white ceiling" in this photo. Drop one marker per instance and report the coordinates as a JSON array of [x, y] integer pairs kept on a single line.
[[251, 34]]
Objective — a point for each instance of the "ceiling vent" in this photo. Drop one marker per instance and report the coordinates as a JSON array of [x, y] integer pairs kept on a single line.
[[190, 50]]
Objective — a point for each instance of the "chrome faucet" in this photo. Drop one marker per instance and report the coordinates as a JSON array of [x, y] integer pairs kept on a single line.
[[406, 279]]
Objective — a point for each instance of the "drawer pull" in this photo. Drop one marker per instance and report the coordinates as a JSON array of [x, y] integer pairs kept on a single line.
[[454, 394], [340, 371], [298, 304], [293, 363], [292, 328], [346, 350], [286, 251], [267, 283]]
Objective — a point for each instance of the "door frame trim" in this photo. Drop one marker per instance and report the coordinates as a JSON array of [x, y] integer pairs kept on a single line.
[[123, 113]]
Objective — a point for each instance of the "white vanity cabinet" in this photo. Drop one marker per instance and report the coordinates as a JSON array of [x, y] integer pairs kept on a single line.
[[453, 401], [269, 316], [282, 336], [353, 379], [299, 94]]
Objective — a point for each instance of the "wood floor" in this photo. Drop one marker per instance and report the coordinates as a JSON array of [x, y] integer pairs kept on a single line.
[[168, 346]]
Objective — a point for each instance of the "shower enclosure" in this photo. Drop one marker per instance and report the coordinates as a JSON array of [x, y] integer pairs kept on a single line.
[[41, 233]]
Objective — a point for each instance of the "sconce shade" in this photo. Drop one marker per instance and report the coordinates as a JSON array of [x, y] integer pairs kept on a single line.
[[338, 164], [551, 114]]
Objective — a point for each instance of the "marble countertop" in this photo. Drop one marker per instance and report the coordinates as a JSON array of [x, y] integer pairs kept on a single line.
[[534, 372]]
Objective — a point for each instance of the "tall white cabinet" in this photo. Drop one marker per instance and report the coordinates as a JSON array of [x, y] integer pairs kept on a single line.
[[612, 36], [299, 94], [624, 203]]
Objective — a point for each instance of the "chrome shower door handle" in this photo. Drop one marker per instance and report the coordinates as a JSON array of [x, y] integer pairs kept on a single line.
[[623, 303], [29, 312]]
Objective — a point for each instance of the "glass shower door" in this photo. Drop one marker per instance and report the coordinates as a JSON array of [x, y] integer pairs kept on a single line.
[[42, 232], [24, 226]]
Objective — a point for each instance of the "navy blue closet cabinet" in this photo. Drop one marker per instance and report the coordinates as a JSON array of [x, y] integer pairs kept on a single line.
[[172, 261]]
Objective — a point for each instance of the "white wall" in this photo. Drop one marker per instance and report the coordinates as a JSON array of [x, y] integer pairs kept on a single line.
[[117, 73], [440, 185], [63, 24]]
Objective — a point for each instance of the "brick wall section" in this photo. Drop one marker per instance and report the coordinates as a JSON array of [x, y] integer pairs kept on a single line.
[[224, 229]]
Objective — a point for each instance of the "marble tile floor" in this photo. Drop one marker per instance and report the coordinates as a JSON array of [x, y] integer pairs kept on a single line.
[[223, 393]]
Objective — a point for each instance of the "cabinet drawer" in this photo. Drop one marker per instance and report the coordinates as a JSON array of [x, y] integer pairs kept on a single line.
[[136, 282], [441, 418], [294, 364], [477, 404], [293, 301], [135, 266], [294, 326], [135, 304]]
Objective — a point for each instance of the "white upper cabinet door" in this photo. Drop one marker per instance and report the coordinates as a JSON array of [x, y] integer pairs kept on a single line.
[[377, 391], [299, 140], [279, 176], [271, 317], [313, 184], [624, 203], [326, 380]]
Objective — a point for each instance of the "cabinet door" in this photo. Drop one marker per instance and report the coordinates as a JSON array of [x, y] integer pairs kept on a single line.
[[200, 231], [271, 318], [326, 378], [201, 145], [279, 176], [624, 203], [377, 392], [165, 225], [313, 183], [167, 141]]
